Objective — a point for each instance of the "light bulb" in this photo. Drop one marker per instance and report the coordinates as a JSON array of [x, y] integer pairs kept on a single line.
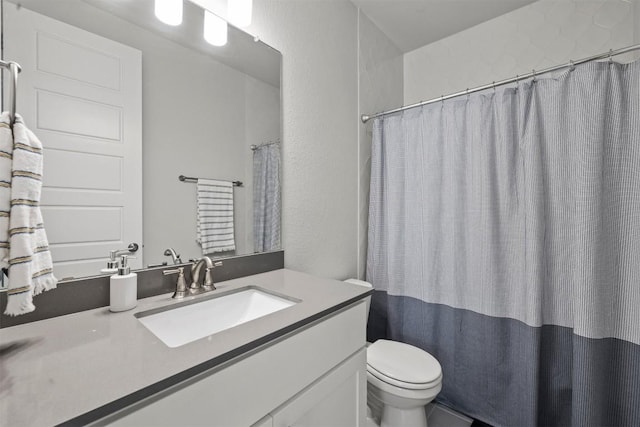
[[215, 29], [240, 12], [169, 11]]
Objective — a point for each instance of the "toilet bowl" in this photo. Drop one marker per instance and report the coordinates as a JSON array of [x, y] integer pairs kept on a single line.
[[401, 380]]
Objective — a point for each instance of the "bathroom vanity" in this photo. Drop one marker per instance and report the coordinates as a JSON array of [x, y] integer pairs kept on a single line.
[[302, 365]]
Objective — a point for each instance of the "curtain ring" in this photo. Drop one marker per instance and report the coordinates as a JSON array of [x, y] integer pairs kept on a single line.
[[442, 99], [517, 81], [494, 86], [610, 56], [467, 93], [533, 75], [572, 65]]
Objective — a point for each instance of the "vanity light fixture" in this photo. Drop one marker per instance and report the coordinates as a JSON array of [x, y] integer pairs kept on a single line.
[[215, 29], [169, 11], [240, 12]]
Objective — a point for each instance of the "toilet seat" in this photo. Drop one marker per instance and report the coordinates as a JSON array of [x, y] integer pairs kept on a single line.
[[403, 384], [403, 365]]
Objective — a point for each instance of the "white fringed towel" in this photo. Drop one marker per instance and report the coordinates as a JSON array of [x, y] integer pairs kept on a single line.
[[215, 230], [23, 241], [6, 159]]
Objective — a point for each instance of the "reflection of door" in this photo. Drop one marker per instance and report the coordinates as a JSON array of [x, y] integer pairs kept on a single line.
[[81, 95]]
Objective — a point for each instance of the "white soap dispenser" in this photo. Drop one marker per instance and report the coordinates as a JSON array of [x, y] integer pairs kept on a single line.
[[123, 288]]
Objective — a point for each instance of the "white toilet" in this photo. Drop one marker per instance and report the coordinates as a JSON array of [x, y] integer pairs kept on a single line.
[[401, 380]]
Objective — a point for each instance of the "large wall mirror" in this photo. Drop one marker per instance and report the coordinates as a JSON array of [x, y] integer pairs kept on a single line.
[[124, 105]]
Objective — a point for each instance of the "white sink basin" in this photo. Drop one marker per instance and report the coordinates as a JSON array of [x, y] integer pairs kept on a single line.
[[196, 319]]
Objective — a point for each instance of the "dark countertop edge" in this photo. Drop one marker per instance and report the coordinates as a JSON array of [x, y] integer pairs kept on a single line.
[[137, 396]]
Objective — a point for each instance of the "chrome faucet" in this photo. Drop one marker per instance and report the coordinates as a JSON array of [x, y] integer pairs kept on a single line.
[[207, 282], [181, 287], [174, 256]]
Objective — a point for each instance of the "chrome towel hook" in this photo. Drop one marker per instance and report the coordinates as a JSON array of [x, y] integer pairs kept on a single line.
[[14, 69]]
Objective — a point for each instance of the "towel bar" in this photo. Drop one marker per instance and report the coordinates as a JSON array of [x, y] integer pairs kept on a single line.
[[191, 179]]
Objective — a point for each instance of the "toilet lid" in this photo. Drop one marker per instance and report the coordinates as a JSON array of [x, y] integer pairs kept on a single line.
[[402, 364]]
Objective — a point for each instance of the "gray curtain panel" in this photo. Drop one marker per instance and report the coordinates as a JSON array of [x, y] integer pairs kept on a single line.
[[266, 198], [504, 238]]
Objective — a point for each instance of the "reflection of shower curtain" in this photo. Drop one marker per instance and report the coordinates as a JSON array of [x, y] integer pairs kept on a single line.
[[505, 240], [266, 198]]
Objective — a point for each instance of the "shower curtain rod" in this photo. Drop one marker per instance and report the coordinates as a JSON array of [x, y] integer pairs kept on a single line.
[[365, 118]]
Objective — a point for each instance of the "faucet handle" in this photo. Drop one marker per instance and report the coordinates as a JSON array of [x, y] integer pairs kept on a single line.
[[208, 280], [181, 286]]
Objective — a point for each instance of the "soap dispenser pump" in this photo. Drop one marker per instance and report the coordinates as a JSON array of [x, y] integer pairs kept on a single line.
[[123, 288], [112, 263]]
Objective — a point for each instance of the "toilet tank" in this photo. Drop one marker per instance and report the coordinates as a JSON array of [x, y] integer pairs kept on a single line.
[[365, 284]]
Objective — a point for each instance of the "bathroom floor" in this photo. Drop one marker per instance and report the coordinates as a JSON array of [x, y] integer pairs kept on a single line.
[[441, 416]]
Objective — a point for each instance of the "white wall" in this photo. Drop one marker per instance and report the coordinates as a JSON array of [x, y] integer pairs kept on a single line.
[[636, 5], [202, 141], [540, 35], [318, 41], [380, 88]]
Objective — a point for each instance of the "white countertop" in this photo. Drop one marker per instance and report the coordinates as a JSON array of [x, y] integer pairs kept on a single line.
[[60, 368]]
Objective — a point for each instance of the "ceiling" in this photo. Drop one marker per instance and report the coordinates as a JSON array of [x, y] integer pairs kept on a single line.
[[411, 24]]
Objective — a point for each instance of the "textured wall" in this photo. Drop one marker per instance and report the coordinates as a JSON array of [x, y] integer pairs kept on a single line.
[[380, 88], [636, 5], [318, 41], [542, 34]]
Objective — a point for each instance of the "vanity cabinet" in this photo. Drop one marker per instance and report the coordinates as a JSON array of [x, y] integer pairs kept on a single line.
[[331, 401], [312, 376]]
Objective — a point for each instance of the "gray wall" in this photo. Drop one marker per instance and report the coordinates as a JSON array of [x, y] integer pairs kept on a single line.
[[380, 88]]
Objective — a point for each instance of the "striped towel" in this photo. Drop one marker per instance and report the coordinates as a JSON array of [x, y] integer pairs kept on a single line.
[[23, 242], [215, 216]]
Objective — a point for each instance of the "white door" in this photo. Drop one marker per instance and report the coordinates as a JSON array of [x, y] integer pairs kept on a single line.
[[81, 94]]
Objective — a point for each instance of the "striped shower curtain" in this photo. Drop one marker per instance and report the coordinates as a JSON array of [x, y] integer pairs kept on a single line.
[[266, 197], [504, 239]]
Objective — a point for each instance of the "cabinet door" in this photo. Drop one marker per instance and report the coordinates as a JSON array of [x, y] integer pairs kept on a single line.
[[338, 399]]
